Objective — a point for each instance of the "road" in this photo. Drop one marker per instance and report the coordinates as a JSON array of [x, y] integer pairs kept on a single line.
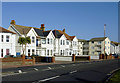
[[73, 72]]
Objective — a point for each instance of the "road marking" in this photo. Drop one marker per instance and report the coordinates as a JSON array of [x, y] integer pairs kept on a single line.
[[19, 71], [36, 69], [49, 68], [73, 71], [13, 74], [73, 64], [62, 65], [48, 79]]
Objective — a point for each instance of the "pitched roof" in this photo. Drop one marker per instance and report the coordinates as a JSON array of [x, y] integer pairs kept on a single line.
[[39, 32], [116, 43], [25, 29], [59, 33], [98, 39], [5, 30], [81, 40], [46, 33]]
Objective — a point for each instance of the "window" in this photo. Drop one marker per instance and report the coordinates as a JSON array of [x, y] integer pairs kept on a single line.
[[33, 39], [43, 41], [67, 42], [92, 52], [92, 41], [7, 51], [108, 42], [48, 41], [47, 52], [61, 52], [51, 52], [92, 47], [99, 42], [1, 52], [28, 52], [33, 52], [2, 37], [61, 42], [81, 47], [105, 42], [51, 41], [36, 42], [7, 38]]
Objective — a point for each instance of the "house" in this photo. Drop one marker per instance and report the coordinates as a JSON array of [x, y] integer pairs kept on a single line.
[[80, 46], [42, 42], [7, 42], [64, 44], [114, 48], [96, 46]]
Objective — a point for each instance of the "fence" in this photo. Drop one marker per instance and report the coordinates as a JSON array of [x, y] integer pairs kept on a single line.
[[63, 58]]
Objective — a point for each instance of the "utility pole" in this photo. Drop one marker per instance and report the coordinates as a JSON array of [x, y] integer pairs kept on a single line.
[[104, 38]]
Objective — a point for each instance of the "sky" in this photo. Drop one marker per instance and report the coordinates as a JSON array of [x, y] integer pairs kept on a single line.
[[85, 20]]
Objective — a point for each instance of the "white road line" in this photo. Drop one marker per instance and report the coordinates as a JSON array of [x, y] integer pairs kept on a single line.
[[73, 64], [20, 71], [36, 69], [48, 79], [49, 68], [73, 71], [62, 65]]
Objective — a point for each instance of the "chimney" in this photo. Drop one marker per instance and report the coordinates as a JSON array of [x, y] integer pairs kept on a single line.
[[13, 22], [64, 30], [42, 27]]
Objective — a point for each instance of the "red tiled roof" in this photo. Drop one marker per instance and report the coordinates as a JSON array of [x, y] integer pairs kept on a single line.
[[5, 30]]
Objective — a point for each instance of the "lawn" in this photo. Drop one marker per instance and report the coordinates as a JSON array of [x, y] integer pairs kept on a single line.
[[115, 78]]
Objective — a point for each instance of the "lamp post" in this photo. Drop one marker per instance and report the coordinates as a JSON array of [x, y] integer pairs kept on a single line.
[[104, 38]]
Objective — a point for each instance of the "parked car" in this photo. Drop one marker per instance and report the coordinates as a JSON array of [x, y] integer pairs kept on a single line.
[[115, 55]]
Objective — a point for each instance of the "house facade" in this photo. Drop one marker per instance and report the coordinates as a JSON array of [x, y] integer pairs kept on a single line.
[[44, 43], [7, 42], [96, 46], [114, 48]]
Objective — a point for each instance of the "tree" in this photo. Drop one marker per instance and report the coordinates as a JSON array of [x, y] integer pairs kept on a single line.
[[24, 41]]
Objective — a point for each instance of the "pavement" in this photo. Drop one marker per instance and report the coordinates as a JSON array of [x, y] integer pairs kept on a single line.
[[83, 72]]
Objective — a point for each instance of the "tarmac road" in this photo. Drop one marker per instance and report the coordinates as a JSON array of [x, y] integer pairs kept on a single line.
[[85, 72]]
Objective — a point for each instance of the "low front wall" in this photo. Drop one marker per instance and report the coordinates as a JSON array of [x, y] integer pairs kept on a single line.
[[63, 58], [94, 57]]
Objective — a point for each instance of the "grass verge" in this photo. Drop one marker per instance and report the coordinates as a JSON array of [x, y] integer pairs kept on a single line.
[[115, 78]]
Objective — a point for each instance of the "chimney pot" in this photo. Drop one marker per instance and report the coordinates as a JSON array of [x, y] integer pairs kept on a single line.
[[42, 25]]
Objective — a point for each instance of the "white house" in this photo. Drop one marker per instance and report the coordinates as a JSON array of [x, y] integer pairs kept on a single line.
[[7, 42], [114, 47], [65, 45], [42, 42]]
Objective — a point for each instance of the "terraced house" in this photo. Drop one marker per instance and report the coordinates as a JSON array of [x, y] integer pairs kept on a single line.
[[7, 42], [45, 43]]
